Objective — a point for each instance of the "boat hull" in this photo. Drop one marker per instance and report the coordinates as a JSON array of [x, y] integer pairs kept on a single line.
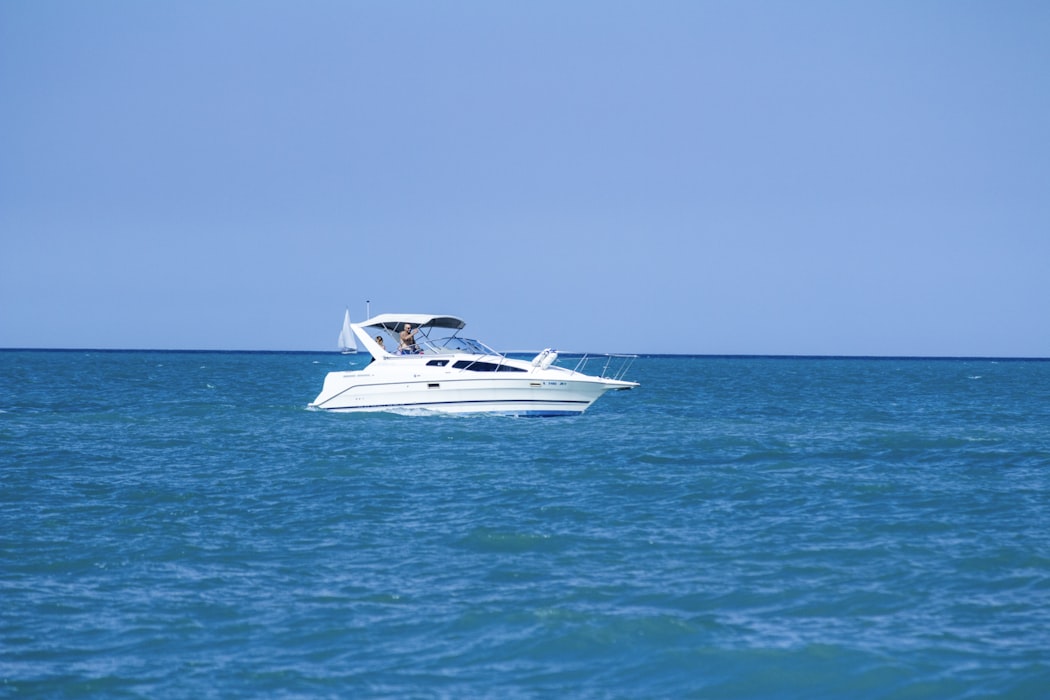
[[525, 396]]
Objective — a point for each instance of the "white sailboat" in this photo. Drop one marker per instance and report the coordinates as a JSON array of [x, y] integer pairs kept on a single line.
[[347, 344]]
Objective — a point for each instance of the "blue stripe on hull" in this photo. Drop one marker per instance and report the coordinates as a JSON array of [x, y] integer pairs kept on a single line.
[[522, 411]]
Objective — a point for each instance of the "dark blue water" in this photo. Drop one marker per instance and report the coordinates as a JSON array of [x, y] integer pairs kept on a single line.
[[180, 525]]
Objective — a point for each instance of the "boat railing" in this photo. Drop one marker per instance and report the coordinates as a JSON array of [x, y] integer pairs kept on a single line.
[[613, 365]]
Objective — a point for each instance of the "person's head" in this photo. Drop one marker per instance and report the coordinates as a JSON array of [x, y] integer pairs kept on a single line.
[[379, 339], [408, 326]]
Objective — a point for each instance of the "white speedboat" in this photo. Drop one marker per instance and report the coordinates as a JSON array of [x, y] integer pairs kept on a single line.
[[435, 369]]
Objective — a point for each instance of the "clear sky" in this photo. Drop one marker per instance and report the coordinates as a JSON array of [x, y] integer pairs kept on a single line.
[[754, 177]]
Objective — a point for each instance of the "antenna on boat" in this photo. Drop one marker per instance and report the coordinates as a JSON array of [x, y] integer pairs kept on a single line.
[[368, 308]]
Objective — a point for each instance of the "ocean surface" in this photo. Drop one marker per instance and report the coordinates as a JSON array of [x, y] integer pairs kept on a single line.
[[177, 525]]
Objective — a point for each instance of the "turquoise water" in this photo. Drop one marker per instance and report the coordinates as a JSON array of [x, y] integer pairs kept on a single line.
[[181, 525]]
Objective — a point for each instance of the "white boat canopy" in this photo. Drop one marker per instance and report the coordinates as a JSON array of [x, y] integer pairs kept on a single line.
[[395, 322]]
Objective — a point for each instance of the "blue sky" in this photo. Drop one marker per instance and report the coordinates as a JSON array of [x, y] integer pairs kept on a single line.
[[696, 177]]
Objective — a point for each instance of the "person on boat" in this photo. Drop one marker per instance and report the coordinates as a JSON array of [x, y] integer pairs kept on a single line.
[[408, 340], [379, 340]]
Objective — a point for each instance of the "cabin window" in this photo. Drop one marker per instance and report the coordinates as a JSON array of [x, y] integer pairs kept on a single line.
[[473, 366], [437, 363]]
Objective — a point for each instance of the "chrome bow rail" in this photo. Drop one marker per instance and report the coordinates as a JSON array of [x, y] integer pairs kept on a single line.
[[614, 366]]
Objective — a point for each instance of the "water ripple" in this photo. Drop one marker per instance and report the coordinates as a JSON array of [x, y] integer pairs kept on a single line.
[[179, 524]]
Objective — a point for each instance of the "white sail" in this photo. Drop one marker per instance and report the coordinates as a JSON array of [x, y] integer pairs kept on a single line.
[[347, 344]]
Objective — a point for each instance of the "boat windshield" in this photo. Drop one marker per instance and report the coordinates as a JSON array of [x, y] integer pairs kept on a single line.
[[454, 344]]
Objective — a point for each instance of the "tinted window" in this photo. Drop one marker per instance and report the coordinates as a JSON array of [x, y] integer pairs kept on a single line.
[[485, 366]]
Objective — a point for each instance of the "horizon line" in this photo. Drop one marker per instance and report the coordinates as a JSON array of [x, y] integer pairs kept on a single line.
[[564, 353]]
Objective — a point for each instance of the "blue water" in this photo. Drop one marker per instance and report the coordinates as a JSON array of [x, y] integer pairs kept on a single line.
[[181, 525]]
